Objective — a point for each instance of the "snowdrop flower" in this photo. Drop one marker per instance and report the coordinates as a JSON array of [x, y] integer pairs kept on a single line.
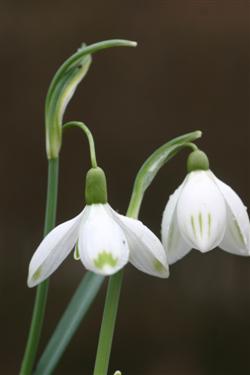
[[204, 213], [105, 241]]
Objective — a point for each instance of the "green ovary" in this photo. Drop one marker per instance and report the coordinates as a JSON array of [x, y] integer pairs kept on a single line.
[[105, 259]]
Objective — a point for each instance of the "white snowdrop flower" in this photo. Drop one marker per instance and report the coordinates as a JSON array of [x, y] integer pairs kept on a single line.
[[204, 213], [105, 241]]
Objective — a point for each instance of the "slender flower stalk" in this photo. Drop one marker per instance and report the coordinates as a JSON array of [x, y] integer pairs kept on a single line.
[[42, 290], [108, 323], [89, 136], [110, 313]]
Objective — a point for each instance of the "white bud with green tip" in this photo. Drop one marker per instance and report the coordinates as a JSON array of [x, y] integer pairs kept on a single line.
[[204, 213]]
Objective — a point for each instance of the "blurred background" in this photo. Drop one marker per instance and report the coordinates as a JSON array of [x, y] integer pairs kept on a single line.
[[190, 71]]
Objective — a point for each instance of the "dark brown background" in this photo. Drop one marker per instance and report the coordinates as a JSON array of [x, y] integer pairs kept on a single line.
[[190, 71]]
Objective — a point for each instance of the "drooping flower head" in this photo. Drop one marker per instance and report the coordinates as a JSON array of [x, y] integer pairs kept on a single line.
[[104, 241], [204, 213]]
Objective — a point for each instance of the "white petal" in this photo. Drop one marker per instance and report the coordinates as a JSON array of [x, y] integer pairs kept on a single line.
[[237, 236], [102, 245], [146, 251], [201, 212], [229, 243], [53, 250], [174, 244]]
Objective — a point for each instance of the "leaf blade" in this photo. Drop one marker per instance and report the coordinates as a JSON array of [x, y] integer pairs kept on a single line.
[[68, 324]]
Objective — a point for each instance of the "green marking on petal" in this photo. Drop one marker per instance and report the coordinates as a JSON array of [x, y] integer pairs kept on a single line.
[[76, 253], [105, 258], [201, 223], [193, 225], [37, 274], [238, 232], [209, 216], [170, 236], [158, 266]]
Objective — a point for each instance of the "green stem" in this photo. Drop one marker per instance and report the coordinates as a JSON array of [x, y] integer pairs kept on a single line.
[[89, 136], [192, 146], [42, 289], [110, 314], [108, 324]]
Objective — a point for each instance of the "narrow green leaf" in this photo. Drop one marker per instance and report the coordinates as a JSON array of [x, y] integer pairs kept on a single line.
[[68, 324]]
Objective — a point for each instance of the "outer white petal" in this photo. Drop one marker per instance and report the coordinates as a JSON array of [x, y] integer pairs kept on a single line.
[[102, 244], [53, 250], [174, 244], [146, 251], [237, 236], [201, 212]]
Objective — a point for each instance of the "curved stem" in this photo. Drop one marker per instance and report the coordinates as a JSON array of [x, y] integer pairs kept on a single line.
[[89, 136], [42, 289], [192, 146]]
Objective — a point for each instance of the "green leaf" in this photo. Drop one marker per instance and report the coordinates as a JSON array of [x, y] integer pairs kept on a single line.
[[68, 324]]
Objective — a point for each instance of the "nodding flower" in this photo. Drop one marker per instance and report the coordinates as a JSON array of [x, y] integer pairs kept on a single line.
[[204, 213], [104, 240]]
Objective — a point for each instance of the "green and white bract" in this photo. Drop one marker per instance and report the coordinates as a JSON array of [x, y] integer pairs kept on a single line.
[[105, 240], [204, 213]]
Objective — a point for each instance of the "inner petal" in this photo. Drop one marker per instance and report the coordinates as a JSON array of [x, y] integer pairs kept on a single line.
[[201, 212], [102, 243]]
